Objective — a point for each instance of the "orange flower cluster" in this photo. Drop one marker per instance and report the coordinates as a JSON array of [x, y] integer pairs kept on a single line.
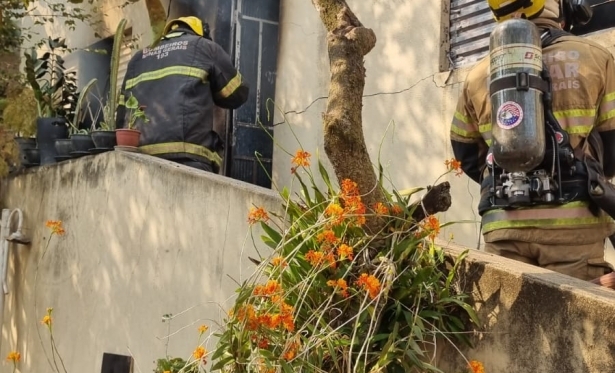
[[278, 261], [369, 283], [13, 356], [352, 201], [336, 212], [396, 209], [454, 165], [476, 367], [291, 351], [257, 214], [341, 284], [345, 251], [431, 225], [301, 159], [271, 288], [381, 209], [46, 320], [202, 329], [55, 226]]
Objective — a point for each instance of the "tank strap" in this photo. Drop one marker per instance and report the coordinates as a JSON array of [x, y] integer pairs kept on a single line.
[[551, 35], [522, 81]]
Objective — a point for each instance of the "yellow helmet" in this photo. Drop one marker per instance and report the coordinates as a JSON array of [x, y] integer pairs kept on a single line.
[[505, 9], [193, 22]]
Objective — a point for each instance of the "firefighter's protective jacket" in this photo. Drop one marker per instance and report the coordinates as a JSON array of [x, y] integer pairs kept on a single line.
[[583, 76], [178, 82]]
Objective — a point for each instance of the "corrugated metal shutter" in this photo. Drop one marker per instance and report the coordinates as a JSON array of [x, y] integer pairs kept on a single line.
[[471, 25], [125, 56]]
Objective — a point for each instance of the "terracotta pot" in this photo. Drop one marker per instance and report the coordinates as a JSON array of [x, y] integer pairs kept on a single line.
[[126, 137]]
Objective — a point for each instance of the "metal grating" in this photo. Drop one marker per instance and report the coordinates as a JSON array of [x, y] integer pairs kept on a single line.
[[471, 23]]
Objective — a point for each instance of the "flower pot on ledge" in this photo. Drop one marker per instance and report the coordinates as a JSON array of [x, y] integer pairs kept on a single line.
[[127, 137], [47, 131]]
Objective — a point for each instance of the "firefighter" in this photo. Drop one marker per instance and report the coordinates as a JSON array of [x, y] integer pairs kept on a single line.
[[567, 238], [179, 81]]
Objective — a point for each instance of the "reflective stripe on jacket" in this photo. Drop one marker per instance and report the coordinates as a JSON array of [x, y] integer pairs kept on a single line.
[[178, 82], [583, 77]]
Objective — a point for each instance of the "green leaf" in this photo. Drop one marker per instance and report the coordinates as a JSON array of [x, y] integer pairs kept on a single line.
[[272, 233]]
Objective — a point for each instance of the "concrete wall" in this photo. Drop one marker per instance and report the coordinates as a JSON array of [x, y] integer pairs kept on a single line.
[[408, 103], [144, 237]]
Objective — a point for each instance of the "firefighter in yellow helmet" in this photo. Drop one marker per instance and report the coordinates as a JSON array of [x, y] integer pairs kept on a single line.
[[178, 82], [568, 238]]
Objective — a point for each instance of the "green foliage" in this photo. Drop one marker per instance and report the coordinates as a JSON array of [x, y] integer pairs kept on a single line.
[[110, 108], [339, 298], [19, 115], [80, 111], [134, 111], [175, 365], [55, 88]]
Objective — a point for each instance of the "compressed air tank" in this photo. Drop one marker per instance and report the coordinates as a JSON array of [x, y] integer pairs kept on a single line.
[[517, 112]]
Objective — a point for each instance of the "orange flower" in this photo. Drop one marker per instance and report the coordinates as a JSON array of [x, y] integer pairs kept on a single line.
[[263, 343], [13, 356], [396, 209], [454, 165], [328, 237], [369, 283], [381, 209], [257, 214], [291, 351], [199, 352], [335, 211], [341, 284], [476, 366], [330, 257], [431, 224], [345, 251], [278, 261], [269, 289], [349, 188], [314, 257], [55, 226], [202, 329], [301, 158]]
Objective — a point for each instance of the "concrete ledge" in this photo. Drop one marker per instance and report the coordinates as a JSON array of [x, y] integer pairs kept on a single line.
[[534, 320]]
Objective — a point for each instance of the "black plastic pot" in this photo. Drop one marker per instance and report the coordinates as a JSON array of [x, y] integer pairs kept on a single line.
[[32, 157], [48, 130], [25, 143], [104, 140], [63, 147], [82, 143]]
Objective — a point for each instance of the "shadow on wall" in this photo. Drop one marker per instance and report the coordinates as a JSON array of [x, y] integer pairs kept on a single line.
[[535, 320], [144, 237]]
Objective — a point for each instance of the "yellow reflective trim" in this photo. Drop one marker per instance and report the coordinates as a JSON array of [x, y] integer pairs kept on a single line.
[[573, 213], [609, 97], [232, 85], [464, 133], [483, 128], [488, 142], [167, 71], [579, 130], [607, 115], [462, 117], [181, 147], [575, 113]]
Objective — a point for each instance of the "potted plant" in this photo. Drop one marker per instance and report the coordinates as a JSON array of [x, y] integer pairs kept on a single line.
[[129, 136], [55, 91], [104, 138], [19, 117], [80, 138]]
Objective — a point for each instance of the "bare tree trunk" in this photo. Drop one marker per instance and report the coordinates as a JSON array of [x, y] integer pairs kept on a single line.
[[348, 42]]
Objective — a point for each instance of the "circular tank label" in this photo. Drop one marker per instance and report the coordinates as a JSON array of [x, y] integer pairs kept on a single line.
[[509, 115]]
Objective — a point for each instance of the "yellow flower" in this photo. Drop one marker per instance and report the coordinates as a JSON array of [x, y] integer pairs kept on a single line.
[[55, 226], [167, 371], [199, 352], [476, 366], [278, 261], [46, 320], [203, 329], [257, 214], [13, 356], [381, 209]]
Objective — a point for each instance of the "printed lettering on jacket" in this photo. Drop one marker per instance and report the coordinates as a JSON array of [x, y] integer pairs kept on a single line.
[[163, 51], [564, 69]]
